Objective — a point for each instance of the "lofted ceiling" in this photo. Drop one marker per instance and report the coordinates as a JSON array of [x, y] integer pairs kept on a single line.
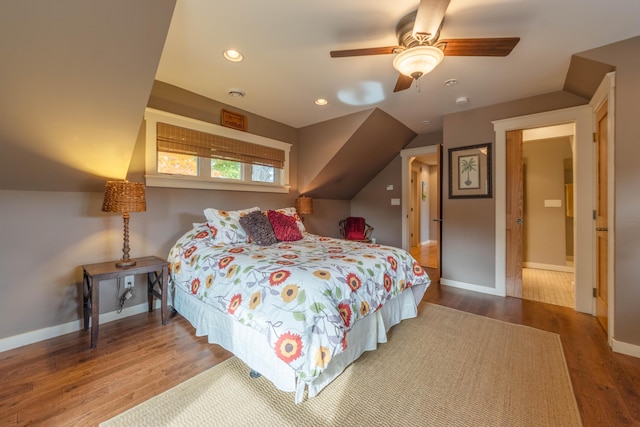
[[287, 65], [77, 74], [74, 82]]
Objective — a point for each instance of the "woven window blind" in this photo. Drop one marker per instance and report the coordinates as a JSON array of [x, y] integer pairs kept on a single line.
[[176, 139]]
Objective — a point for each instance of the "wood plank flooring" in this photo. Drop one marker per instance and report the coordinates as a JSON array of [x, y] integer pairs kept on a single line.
[[552, 287], [62, 382]]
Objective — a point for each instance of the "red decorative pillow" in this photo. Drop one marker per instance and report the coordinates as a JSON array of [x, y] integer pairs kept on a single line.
[[284, 226]]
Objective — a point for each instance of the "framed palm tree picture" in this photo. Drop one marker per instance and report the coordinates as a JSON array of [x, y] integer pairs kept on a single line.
[[470, 171]]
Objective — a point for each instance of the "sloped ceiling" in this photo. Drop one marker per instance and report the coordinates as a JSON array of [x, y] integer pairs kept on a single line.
[[585, 75], [76, 77], [360, 157]]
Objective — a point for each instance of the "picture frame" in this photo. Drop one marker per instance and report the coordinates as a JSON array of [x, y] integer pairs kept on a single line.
[[233, 120], [470, 172]]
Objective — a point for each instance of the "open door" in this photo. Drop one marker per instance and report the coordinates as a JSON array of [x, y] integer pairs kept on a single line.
[[414, 209], [514, 213], [438, 217], [602, 202], [427, 255]]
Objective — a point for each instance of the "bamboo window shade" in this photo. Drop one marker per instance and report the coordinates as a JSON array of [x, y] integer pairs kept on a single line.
[[176, 139]]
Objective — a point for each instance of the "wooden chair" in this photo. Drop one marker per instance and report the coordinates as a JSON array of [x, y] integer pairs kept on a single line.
[[355, 229]]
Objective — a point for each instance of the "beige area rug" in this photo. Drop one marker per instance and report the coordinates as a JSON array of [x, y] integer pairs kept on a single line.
[[444, 368]]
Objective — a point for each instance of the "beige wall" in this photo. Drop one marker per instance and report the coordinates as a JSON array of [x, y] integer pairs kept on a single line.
[[468, 227], [374, 204], [46, 236], [544, 227]]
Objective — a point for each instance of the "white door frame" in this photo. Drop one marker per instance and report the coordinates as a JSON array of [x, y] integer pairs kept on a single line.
[[583, 178], [408, 155]]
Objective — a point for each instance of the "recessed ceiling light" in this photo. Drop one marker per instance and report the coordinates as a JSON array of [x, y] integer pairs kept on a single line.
[[236, 93], [451, 82], [462, 100], [426, 122], [233, 55], [321, 101]]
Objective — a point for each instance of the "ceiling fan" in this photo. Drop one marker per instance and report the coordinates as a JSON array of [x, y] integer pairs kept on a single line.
[[419, 48]]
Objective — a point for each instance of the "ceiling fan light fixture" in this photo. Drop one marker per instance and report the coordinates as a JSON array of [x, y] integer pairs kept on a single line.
[[418, 61]]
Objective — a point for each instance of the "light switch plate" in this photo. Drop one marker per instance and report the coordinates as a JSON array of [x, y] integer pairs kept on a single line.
[[552, 203], [395, 202], [389, 187]]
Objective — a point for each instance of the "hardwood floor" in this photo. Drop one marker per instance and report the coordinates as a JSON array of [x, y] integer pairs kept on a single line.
[[552, 287], [426, 254], [62, 382]]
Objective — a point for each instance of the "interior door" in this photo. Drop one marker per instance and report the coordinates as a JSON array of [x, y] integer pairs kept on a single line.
[[414, 210], [602, 216], [438, 218], [514, 213]]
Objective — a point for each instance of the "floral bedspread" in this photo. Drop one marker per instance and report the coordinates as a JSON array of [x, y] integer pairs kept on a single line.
[[303, 296]]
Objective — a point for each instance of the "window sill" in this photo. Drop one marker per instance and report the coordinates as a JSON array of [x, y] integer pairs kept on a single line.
[[172, 181]]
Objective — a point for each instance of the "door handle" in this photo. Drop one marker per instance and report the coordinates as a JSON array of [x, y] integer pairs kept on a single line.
[[602, 229], [519, 221], [437, 220]]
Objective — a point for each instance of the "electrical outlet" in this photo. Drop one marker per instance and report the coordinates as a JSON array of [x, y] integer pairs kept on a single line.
[[128, 282]]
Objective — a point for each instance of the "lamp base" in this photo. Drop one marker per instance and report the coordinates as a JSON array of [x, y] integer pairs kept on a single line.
[[126, 263]]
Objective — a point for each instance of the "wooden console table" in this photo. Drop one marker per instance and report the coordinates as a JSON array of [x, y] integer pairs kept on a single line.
[[157, 275]]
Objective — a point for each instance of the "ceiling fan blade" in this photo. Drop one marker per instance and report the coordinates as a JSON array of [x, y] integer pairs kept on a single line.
[[366, 51], [429, 18], [404, 82], [478, 47]]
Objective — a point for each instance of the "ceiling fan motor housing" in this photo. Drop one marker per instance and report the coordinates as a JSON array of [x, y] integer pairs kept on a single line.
[[404, 32]]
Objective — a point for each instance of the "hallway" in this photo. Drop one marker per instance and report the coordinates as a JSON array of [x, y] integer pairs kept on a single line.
[[426, 255], [552, 287]]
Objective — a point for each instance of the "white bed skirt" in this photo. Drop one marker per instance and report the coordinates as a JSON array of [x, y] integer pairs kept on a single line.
[[250, 346]]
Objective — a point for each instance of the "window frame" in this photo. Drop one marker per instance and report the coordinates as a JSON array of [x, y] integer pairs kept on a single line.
[[155, 179]]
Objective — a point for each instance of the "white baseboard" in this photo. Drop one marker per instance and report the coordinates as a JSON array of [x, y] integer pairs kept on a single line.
[[552, 267], [471, 287], [625, 348], [27, 338]]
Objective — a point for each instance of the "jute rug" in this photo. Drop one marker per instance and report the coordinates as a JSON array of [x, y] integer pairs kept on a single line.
[[444, 368]]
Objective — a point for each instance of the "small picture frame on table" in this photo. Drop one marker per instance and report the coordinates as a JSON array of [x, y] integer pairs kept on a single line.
[[470, 172], [234, 120]]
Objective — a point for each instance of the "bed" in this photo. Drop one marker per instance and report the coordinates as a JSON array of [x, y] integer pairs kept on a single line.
[[296, 307]]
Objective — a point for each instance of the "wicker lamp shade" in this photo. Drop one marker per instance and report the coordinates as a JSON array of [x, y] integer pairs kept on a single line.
[[124, 197], [304, 205]]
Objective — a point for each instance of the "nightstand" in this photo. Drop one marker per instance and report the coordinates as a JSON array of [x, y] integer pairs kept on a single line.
[[157, 277]]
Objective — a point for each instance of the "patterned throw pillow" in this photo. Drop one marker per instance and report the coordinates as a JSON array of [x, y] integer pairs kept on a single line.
[[258, 227], [225, 225], [284, 226], [292, 212]]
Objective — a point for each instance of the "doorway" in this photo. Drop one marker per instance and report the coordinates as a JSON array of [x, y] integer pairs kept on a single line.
[[547, 212], [580, 118], [421, 217]]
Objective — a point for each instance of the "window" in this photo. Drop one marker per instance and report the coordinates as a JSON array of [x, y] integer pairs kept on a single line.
[[188, 153]]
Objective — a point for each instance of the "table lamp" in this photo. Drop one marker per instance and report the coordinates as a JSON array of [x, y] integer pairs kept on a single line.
[[124, 196]]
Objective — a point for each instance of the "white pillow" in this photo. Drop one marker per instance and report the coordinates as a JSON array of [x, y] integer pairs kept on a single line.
[[225, 225]]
